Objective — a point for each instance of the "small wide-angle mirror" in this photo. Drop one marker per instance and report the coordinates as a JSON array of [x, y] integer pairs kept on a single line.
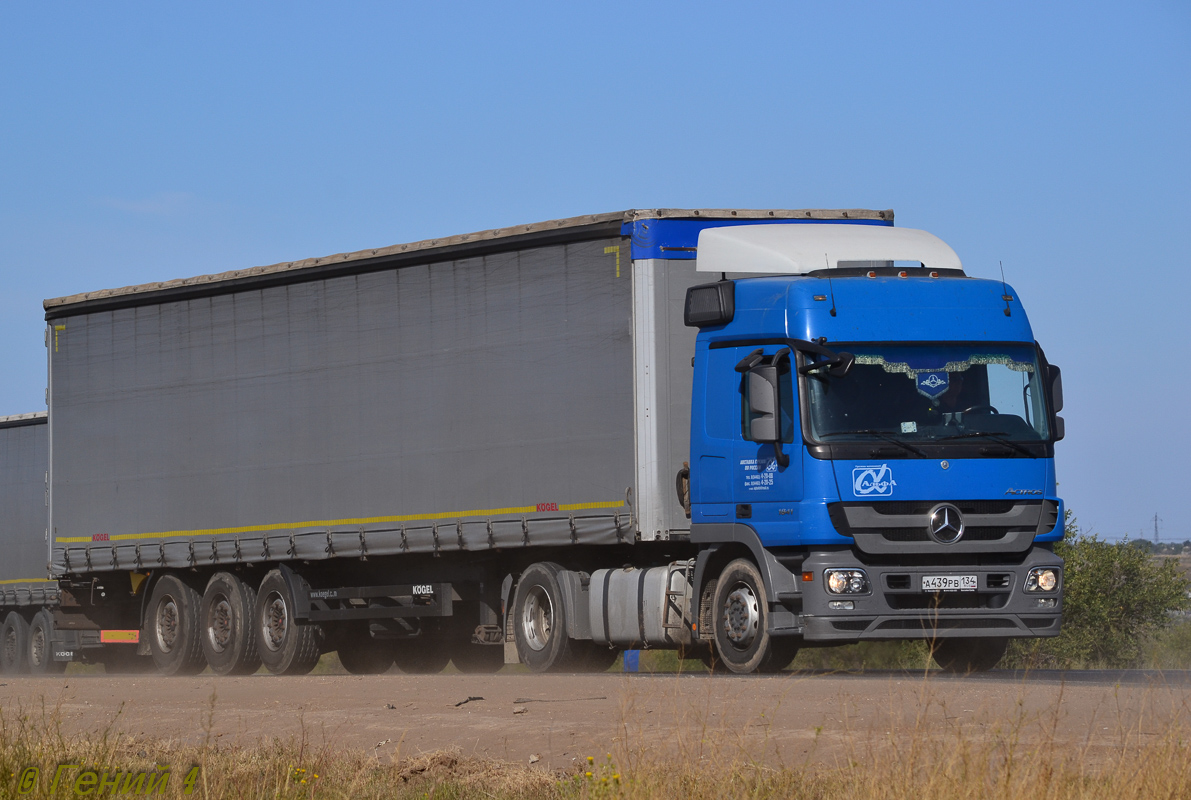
[[763, 404]]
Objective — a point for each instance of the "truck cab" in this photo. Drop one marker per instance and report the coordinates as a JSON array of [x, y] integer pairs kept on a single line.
[[876, 430]]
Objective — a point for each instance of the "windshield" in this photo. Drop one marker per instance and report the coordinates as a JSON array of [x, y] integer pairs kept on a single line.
[[928, 393]]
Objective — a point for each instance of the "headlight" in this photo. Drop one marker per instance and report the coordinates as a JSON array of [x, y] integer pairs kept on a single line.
[[1042, 579], [846, 581]]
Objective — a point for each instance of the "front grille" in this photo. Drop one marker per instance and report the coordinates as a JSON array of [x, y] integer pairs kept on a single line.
[[1041, 623], [943, 624], [947, 601], [851, 624], [908, 507], [971, 534]]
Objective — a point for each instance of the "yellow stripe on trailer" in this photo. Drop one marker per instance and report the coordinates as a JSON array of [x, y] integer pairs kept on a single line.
[[327, 523]]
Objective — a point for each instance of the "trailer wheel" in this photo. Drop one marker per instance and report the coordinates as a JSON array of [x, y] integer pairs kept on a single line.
[[539, 620], [41, 648], [741, 616], [286, 646], [228, 635], [173, 627], [962, 656], [14, 645]]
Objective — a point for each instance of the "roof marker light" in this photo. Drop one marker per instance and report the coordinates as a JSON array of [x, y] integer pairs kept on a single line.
[[872, 273], [903, 274], [820, 297], [934, 274]]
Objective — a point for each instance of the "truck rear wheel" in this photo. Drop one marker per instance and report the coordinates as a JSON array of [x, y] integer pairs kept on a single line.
[[962, 656], [539, 620], [173, 627], [41, 646], [286, 646], [14, 645], [229, 637], [741, 615]]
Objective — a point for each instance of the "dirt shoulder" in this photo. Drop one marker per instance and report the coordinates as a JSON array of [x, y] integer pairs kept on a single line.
[[787, 719]]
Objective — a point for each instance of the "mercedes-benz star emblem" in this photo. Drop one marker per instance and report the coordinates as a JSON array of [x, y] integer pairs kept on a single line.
[[945, 524]]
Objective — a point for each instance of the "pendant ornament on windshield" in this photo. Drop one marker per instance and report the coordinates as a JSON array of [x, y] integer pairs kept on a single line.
[[933, 384]]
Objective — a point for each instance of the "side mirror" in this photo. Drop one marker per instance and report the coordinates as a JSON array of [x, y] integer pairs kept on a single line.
[[1055, 377], [763, 404], [1060, 429]]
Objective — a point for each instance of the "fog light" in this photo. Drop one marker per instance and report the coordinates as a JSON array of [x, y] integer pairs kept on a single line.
[[846, 581], [1045, 602], [1042, 579], [841, 605]]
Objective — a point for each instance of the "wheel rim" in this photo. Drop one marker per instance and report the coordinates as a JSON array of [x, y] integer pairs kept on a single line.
[[742, 617], [219, 624], [274, 622], [37, 647], [537, 618], [168, 620]]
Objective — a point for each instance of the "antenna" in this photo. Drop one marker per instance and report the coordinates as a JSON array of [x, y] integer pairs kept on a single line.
[[830, 288], [1005, 290]]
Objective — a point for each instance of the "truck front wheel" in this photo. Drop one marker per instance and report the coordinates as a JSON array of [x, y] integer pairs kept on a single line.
[[14, 641], [742, 640], [173, 628], [286, 646], [229, 637], [539, 619], [962, 656]]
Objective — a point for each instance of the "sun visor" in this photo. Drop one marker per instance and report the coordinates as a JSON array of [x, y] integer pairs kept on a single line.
[[796, 249]]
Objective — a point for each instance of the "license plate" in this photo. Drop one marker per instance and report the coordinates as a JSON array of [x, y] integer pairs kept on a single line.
[[948, 583]]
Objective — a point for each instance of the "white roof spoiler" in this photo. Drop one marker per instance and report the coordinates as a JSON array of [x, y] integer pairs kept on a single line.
[[795, 249]]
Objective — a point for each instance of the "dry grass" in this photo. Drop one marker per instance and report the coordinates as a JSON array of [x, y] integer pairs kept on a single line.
[[1013, 753]]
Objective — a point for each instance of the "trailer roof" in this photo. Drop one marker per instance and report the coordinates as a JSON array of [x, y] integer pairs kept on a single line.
[[17, 420], [589, 226]]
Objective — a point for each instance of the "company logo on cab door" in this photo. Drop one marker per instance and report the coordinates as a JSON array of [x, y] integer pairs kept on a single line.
[[873, 481]]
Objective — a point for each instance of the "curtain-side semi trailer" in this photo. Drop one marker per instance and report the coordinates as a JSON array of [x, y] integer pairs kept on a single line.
[[728, 432]]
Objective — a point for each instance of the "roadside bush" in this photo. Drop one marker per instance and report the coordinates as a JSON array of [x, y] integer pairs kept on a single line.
[[1117, 599]]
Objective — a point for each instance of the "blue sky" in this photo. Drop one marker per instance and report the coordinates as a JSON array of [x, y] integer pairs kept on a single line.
[[147, 141]]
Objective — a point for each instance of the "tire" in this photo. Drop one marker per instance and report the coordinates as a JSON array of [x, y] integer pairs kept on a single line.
[[360, 654], [741, 617], [962, 656], [286, 646], [14, 645], [539, 620], [41, 648], [172, 624], [228, 635]]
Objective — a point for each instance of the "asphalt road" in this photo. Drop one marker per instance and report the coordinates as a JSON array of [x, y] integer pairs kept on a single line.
[[785, 719]]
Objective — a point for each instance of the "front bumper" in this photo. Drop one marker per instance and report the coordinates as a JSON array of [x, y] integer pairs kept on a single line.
[[897, 607]]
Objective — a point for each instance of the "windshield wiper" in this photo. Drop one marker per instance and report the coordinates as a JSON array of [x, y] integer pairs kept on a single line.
[[884, 435], [996, 437]]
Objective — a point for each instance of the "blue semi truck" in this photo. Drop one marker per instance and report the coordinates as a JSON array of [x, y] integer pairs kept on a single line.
[[729, 432]]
